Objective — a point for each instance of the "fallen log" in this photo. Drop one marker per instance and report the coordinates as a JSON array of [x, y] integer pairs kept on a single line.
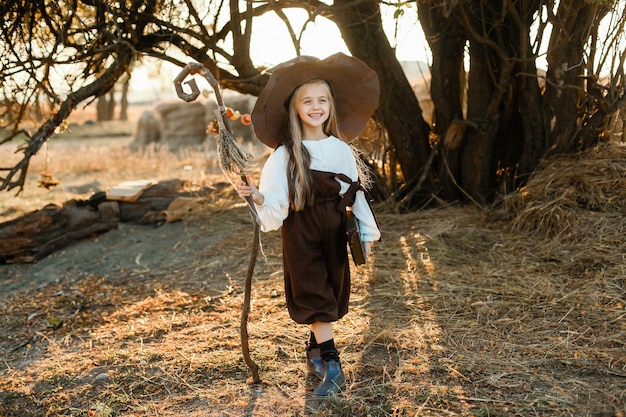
[[37, 234]]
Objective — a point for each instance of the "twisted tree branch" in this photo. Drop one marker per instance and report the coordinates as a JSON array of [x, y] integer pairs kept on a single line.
[[16, 175]]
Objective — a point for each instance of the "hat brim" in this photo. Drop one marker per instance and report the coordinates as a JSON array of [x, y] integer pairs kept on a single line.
[[354, 85]]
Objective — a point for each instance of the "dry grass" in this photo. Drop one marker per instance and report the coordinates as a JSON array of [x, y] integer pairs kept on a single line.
[[84, 162], [514, 312]]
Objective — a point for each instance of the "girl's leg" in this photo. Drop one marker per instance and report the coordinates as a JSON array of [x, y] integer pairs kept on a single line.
[[323, 331], [334, 378]]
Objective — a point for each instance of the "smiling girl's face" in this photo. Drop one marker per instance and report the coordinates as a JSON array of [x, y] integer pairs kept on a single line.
[[312, 103]]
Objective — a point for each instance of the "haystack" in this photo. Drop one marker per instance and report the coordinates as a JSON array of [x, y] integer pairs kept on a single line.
[[572, 213], [182, 124], [574, 198]]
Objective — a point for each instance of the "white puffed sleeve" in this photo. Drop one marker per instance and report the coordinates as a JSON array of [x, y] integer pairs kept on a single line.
[[274, 188], [368, 228]]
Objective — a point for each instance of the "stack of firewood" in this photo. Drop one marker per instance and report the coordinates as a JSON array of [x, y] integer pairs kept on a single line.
[[39, 233]]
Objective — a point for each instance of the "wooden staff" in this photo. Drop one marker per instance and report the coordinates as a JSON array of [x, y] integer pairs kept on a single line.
[[232, 160]]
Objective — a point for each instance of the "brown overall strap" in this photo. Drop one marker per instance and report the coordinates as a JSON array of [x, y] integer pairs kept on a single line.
[[350, 195]]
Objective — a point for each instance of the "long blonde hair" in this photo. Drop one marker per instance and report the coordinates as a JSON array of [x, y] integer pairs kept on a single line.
[[298, 173]]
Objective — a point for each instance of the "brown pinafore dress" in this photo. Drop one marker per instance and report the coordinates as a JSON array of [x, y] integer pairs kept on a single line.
[[315, 256]]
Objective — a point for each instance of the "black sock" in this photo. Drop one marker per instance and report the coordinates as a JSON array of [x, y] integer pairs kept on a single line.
[[312, 342], [328, 351]]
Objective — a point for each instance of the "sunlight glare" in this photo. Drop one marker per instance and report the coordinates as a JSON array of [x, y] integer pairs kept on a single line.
[[272, 44]]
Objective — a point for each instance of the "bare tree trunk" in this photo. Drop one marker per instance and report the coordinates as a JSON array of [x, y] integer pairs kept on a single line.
[[361, 28], [486, 155], [124, 99], [105, 107], [447, 41], [480, 140], [102, 106], [565, 68], [111, 105], [503, 117], [535, 139]]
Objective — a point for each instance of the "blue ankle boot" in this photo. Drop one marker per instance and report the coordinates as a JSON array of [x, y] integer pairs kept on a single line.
[[334, 380]]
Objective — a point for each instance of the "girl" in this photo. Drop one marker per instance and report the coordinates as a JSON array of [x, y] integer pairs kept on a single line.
[[307, 111]]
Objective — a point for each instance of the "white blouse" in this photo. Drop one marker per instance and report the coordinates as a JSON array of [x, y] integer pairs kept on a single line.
[[329, 155]]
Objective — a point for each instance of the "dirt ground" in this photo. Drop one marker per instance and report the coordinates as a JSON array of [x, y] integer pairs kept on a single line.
[[457, 314]]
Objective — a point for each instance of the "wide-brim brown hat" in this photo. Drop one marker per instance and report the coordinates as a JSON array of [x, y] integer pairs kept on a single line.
[[354, 86]]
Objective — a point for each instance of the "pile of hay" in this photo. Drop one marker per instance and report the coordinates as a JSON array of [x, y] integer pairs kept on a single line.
[[574, 197]]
